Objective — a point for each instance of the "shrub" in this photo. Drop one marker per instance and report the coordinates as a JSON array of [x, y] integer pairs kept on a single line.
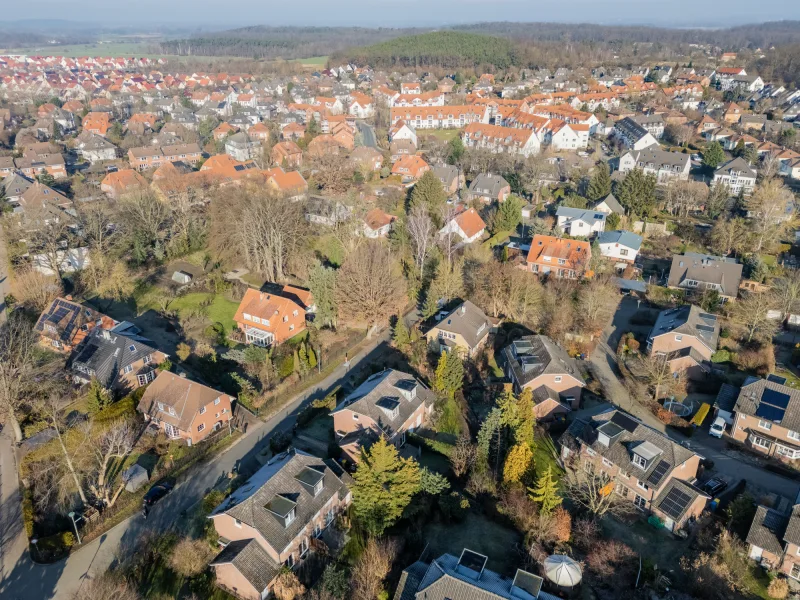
[[183, 351], [55, 546], [778, 588], [725, 333], [212, 500], [454, 506], [190, 557], [166, 365], [279, 441], [722, 356], [609, 558]]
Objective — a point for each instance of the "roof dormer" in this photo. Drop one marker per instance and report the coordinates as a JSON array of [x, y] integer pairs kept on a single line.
[[407, 388], [644, 453], [311, 479], [284, 509]]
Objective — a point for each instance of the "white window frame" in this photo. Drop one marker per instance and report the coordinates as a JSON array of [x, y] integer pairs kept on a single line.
[[202, 410], [590, 452], [641, 484], [639, 461], [766, 425], [793, 435], [607, 462], [201, 427], [761, 442], [216, 401], [558, 378], [127, 369], [637, 504]]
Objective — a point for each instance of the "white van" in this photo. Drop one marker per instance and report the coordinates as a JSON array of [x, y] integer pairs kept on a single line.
[[717, 427]]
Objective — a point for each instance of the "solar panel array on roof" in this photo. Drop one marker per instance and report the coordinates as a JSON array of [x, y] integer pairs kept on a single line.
[[625, 422], [776, 379], [675, 503], [773, 405], [708, 317], [658, 473], [238, 168]]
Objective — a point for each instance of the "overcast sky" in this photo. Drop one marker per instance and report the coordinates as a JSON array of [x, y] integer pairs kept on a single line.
[[402, 13]]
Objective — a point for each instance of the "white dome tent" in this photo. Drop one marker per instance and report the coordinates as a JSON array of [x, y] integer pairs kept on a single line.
[[562, 571]]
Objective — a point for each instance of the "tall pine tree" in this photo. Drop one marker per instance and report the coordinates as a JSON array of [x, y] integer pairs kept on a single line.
[[600, 184], [545, 494], [428, 192]]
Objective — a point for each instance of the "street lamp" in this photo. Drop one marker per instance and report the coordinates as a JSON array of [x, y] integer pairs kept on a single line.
[[75, 525]]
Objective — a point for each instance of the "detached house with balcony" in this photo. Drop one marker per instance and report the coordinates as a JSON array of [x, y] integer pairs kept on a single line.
[[119, 361], [184, 409], [274, 519], [738, 175], [639, 464], [65, 324], [699, 272], [665, 166], [388, 404], [688, 337], [580, 222], [767, 418], [558, 257], [268, 319], [538, 363], [465, 329]]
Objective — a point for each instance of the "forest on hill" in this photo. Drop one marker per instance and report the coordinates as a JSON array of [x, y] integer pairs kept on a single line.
[[440, 49]]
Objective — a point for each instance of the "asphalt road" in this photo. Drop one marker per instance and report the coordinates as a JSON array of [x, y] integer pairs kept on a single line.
[[5, 287], [368, 133], [23, 579]]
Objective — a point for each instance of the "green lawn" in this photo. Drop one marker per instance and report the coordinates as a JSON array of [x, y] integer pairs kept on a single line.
[[221, 309], [443, 134], [313, 61], [496, 370]]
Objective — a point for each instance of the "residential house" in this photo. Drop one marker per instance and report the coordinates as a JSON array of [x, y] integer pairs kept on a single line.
[[118, 360], [268, 319], [537, 363], [274, 519], [39, 204], [732, 113], [300, 296], [388, 404], [97, 123], [640, 464], [410, 168], [378, 223], [64, 324], [32, 164], [466, 329], [367, 158], [738, 175], [287, 154], [289, 184], [699, 272], [687, 336], [400, 148], [361, 106], [95, 148], [241, 147], [767, 418], [121, 182], [451, 178], [488, 188], [580, 222], [666, 166], [622, 247], [403, 131], [523, 142], [184, 409], [439, 117], [609, 205], [467, 226], [466, 578], [558, 257], [633, 135], [774, 540], [652, 123]]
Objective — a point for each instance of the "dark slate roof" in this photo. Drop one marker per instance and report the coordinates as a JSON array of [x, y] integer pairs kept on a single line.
[[767, 530], [410, 580], [726, 398], [706, 269], [535, 355], [106, 353], [630, 435], [446, 174], [630, 128], [486, 184], [751, 395], [446, 580], [278, 479], [692, 492], [661, 159], [469, 321], [738, 166], [251, 560], [792, 534], [384, 391], [688, 320]]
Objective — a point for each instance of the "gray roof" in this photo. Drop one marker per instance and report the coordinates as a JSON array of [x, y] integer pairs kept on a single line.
[[648, 120], [661, 159], [739, 166], [630, 128], [581, 214], [15, 184], [623, 238], [726, 398], [106, 353], [277, 482], [767, 530], [688, 320], [792, 534], [251, 560], [409, 582], [612, 203], [385, 394], [448, 579], [705, 270], [446, 174], [469, 321], [752, 394], [535, 355], [628, 436], [486, 184], [684, 487]]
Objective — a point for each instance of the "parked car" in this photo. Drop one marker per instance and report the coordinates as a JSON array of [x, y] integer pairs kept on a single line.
[[714, 486], [717, 428], [154, 494]]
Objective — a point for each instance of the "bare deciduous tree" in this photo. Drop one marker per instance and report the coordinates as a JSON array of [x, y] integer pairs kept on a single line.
[[107, 586], [35, 289], [190, 557], [768, 207], [752, 313], [597, 301], [421, 230], [116, 442], [463, 456], [729, 235], [366, 582], [51, 409], [786, 290], [682, 196], [17, 364], [657, 371], [594, 491]]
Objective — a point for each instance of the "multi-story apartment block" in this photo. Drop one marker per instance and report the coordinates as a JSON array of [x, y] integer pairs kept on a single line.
[[440, 117], [666, 166]]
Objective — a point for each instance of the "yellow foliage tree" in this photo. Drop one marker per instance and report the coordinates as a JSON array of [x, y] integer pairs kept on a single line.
[[517, 463]]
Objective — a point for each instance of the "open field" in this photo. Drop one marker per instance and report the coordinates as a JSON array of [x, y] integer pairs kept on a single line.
[[313, 61], [443, 134]]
